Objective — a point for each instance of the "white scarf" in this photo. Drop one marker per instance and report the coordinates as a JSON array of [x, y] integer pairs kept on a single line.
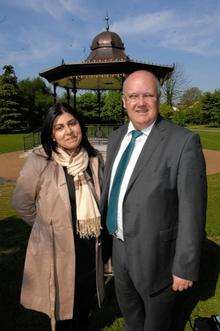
[[88, 216]]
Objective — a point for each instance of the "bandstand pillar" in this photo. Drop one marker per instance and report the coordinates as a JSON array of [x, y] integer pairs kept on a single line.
[[55, 93]]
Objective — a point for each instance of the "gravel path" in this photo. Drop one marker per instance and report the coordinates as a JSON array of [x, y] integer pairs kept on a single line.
[[11, 163]]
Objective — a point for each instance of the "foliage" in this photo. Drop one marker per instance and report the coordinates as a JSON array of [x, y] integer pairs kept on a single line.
[[87, 106], [211, 108], [190, 96], [194, 113], [180, 117], [166, 111], [195, 107], [36, 98], [10, 105], [112, 108]]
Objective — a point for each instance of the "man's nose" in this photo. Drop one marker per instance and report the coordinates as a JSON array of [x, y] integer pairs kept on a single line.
[[141, 100]]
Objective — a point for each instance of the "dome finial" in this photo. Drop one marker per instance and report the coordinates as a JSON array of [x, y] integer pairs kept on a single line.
[[107, 19]]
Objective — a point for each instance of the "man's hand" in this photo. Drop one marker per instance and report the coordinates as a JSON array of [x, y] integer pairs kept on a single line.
[[180, 284]]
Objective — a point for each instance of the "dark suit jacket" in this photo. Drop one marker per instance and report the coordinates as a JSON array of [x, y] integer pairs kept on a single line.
[[164, 206]]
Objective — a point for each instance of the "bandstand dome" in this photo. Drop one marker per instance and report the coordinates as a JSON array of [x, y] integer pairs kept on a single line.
[[107, 45]]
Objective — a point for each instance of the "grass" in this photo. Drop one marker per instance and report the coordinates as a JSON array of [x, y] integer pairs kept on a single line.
[[11, 142], [210, 140], [210, 137], [213, 210], [202, 300], [6, 190]]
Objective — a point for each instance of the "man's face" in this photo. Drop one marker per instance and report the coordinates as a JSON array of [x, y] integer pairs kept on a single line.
[[140, 99]]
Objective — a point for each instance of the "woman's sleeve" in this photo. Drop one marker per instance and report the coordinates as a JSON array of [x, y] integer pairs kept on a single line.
[[25, 193]]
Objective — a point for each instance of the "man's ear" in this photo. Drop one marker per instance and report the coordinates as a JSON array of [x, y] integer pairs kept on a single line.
[[124, 101]]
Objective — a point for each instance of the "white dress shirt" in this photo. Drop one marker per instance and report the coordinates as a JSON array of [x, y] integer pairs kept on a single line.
[[139, 143]]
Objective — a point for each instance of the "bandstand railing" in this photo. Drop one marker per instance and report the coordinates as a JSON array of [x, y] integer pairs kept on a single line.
[[31, 140], [97, 134]]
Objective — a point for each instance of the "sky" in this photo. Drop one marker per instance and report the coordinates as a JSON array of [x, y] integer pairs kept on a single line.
[[36, 35]]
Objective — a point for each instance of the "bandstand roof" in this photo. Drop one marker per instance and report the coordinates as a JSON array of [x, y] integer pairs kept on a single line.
[[105, 67], [100, 75]]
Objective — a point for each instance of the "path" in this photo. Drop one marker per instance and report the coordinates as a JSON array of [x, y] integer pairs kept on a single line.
[[11, 163]]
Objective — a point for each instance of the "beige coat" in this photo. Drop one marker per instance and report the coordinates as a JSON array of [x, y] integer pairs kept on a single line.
[[41, 198]]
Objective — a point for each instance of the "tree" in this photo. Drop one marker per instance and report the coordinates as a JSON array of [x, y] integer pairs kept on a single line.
[[180, 117], [87, 106], [111, 111], [211, 108], [173, 87], [10, 106], [166, 111], [190, 96], [36, 98], [215, 116], [194, 112]]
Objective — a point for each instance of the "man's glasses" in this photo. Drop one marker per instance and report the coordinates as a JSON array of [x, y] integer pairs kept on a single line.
[[134, 97]]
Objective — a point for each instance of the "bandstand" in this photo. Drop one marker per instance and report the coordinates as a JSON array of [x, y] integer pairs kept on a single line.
[[104, 69]]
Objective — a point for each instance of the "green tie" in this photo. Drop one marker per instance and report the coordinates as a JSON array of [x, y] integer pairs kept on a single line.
[[116, 185]]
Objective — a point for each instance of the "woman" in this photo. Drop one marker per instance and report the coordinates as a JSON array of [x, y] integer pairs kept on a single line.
[[57, 193]]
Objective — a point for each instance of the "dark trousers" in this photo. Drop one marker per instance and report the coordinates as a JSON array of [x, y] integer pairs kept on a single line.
[[141, 311], [84, 297]]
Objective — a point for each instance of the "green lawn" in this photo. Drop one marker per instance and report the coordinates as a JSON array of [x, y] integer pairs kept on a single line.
[[210, 137], [210, 140], [213, 210], [6, 190], [11, 142]]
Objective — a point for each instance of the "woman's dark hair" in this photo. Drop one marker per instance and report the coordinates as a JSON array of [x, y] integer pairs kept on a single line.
[[47, 141]]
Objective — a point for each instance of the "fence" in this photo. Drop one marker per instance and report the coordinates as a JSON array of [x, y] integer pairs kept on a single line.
[[97, 133], [31, 140]]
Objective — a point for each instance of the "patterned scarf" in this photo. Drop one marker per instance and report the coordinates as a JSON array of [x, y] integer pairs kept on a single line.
[[88, 216]]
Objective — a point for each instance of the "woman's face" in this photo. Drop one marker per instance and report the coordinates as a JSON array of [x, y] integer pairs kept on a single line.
[[67, 132]]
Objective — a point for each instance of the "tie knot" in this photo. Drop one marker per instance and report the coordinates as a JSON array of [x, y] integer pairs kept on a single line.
[[136, 134]]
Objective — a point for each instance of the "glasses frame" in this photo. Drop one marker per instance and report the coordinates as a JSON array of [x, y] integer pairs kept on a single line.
[[134, 97]]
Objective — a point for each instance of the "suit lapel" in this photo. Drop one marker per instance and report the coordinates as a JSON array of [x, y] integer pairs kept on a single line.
[[111, 158], [116, 147], [155, 138]]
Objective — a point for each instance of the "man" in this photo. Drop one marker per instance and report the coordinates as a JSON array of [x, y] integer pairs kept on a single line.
[[155, 209]]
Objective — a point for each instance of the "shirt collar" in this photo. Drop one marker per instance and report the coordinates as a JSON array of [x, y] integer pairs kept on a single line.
[[145, 131]]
